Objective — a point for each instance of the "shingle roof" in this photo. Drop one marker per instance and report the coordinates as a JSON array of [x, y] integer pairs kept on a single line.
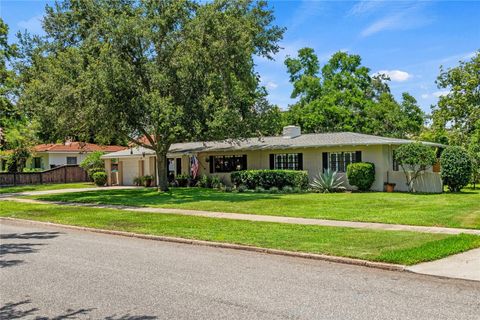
[[75, 147], [276, 142]]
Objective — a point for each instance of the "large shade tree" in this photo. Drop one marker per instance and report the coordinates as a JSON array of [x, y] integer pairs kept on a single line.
[[155, 72], [458, 110], [342, 95], [7, 82], [457, 113]]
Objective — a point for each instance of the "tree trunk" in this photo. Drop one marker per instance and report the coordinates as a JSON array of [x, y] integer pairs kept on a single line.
[[162, 180]]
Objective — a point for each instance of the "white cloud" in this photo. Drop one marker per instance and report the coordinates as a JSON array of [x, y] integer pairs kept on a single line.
[[407, 16], [364, 6], [305, 11], [396, 75], [33, 25], [271, 85], [436, 94], [380, 25], [439, 94]]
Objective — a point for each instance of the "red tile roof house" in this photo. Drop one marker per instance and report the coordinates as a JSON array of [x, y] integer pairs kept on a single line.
[[51, 155]]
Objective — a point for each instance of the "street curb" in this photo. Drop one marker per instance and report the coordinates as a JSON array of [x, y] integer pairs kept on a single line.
[[313, 256]]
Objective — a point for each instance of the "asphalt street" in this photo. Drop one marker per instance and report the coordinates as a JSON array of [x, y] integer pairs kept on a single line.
[[56, 273]]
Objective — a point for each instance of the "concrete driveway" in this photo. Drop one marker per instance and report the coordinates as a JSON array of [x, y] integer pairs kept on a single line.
[[56, 273]]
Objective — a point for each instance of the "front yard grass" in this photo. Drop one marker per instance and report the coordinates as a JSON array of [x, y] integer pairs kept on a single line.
[[458, 210], [49, 186], [376, 245]]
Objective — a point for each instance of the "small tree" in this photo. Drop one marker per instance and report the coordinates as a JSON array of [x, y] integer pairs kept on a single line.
[[456, 168], [92, 163], [414, 158]]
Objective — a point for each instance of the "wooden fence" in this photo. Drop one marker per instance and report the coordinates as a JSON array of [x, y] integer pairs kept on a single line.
[[61, 174]]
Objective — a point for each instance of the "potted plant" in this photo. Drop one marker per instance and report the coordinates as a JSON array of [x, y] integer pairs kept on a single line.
[[389, 186], [147, 180], [138, 181]]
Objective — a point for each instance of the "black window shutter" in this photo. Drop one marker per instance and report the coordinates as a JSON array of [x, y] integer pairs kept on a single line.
[[179, 166], [358, 156], [325, 160], [244, 162], [272, 161], [300, 161], [211, 164]]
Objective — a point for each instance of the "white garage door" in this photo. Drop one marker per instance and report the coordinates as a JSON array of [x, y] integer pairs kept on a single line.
[[130, 171]]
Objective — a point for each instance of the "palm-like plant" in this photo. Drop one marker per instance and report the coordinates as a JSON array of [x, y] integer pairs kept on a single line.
[[328, 181]]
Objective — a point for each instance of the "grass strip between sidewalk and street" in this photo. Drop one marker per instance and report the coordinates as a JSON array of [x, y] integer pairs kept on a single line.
[[400, 247]]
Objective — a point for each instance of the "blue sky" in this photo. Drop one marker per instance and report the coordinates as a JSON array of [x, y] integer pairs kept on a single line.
[[407, 39]]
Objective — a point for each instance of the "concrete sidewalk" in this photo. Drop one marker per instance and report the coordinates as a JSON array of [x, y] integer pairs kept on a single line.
[[262, 218], [461, 266]]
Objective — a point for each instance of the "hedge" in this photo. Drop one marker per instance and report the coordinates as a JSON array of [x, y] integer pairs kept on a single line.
[[361, 175], [270, 178]]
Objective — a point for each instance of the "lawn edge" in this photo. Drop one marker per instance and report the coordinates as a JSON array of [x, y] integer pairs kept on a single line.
[[468, 230], [304, 255], [229, 215]]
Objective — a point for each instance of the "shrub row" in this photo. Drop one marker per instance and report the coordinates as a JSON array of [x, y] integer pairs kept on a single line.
[[270, 178]]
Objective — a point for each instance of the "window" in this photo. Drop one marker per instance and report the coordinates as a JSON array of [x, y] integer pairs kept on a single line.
[[340, 160], [228, 163], [37, 163], [395, 166], [71, 160], [287, 161]]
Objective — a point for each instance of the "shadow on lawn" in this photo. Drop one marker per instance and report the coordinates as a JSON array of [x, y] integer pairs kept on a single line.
[[22, 309], [150, 196]]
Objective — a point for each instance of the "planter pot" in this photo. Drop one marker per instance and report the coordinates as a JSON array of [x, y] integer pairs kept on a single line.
[[148, 183], [436, 167], [389, 187]]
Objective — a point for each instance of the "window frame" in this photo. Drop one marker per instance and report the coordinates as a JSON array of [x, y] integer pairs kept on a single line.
[[395, 164], [34, 162], [288, 161], [76, 160], [339, 164], [225, 167]]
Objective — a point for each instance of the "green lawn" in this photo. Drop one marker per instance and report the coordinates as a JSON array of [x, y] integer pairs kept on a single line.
[[387, 246], [461, 210], [50, 186]]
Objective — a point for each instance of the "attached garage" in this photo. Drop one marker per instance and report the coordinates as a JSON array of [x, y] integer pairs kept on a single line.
[[130, 170]]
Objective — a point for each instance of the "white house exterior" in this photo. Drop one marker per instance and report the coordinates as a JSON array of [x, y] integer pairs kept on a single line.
[[292, 150], [48, 156]]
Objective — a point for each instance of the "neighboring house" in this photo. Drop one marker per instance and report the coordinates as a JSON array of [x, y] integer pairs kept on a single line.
[[48, 156], [293, 150]]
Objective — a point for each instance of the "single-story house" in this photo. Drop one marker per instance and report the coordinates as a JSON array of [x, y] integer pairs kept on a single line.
[[51, 155], [292, 150]]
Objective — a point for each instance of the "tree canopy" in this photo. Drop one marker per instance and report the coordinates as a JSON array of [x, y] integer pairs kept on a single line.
[[343, 96], [458, 109], [456, 116], [153, 72]]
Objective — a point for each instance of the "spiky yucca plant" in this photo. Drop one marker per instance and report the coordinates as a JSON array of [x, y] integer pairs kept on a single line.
[[328, 181]]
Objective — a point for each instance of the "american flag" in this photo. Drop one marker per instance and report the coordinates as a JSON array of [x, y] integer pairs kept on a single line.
[[194, 166]]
